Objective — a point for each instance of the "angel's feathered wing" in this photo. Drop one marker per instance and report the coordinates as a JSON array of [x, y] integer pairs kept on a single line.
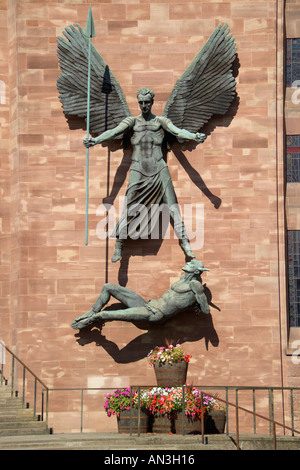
[[207, 87], [72, 84]]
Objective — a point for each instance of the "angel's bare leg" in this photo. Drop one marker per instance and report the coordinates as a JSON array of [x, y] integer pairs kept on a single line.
[[171, 201], [122, 223]]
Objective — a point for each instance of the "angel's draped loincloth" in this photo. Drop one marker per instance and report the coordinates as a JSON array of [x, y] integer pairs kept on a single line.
[[144, 197]]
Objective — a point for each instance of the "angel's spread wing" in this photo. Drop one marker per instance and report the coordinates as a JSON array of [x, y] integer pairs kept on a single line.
[[207, 86], [72, 84]]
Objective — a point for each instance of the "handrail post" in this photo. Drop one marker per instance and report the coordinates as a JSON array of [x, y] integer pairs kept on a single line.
[[227, 414], [274, 435], [139, 411], [202, 418], [292, 410], [271, 407], [42, 411], [47, 405], [23, 391], [12, 374], [183, 410], [34, 399], [81, 411], [237, 419], [254, 408], [130, 417], [237, 428], [2, 360]]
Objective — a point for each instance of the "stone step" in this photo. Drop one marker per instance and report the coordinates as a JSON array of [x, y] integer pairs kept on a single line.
[[14, 415], [21, 423], [23, 432], [4, 387], [115, 441], [6, 393], [104, 442], [18, 409], [11, 403]]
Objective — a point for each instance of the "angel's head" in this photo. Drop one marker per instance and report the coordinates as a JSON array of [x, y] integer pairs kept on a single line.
[[145, 98], [145, 91]]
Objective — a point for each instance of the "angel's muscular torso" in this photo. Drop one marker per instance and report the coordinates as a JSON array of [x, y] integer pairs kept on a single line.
[[147, 141], [147, 138]]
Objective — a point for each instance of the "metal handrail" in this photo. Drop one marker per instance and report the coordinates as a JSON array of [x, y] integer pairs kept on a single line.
[[272, 422], [237, 407], [36, 380]]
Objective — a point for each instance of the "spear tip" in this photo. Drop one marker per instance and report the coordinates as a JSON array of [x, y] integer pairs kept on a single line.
[[90, 27]]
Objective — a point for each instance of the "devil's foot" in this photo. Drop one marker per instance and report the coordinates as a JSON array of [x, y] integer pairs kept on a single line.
[[88, 314], [85, 320]]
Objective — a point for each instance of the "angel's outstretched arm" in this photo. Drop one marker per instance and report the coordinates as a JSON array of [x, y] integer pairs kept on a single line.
[[181, 134], [124, 126]]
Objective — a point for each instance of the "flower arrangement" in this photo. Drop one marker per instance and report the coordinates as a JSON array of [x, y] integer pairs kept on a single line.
[[212, 404], [193, 403], [167, 401], [168, 354], [117, 401], [159, 401]]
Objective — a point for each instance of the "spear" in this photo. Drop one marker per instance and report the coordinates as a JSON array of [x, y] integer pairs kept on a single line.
[[106, 90], [90, 33]]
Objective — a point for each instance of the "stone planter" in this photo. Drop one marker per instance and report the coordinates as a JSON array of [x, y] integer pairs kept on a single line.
[[124, 421], [215, 422], [170, 374]]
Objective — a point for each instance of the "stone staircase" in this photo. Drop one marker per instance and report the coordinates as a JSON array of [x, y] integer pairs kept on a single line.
[[15, 419]]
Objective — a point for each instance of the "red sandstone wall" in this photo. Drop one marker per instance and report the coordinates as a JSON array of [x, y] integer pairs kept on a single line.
[[5, 181], [49, 276]]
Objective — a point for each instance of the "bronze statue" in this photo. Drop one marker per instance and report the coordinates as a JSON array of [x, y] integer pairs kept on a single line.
[[206, 88], [149, 181], [186, 292]]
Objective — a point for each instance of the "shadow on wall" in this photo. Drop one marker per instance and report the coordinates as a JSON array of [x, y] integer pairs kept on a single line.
[[186, 326]]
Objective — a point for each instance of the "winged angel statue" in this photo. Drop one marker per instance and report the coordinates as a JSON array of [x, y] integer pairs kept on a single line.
[[206, 88]]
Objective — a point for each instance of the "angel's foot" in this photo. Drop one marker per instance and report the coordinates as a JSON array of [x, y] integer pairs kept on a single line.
[[85, 320], [185, 245], [116, 256], [118, 251]]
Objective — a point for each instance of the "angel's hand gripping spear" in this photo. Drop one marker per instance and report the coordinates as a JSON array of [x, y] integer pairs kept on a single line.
[[206, 88]]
